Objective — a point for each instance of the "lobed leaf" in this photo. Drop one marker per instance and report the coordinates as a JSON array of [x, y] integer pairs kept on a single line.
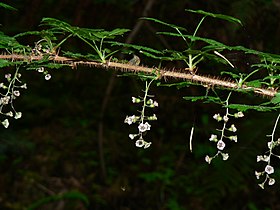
[[206, 99], [164, 23], [244, 107], [219, 16]]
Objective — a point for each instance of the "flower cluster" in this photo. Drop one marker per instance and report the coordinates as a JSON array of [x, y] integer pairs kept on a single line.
[[143, 125], [9, 91], [220, 143], [269, 169]]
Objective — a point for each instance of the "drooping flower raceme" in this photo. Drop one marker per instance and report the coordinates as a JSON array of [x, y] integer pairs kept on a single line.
[[220, 139], [269, 169], [143, 125], [10, 90]]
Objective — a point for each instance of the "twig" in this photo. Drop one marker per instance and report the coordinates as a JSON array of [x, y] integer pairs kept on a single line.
[[162, 73]]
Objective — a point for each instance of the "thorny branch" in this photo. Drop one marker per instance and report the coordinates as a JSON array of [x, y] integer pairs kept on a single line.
[[184, 74]]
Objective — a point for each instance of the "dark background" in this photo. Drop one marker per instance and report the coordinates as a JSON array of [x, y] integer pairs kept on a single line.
[[72, 136]]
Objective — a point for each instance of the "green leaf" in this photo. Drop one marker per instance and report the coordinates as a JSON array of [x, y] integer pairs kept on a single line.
[[244, 107], [233, 75], [178, 85], [266, 66], [7, 42], [136, 47], [220, 16], [254, 83], [56, 24], [44, 34], [276, 98], [80, 56], [164, 23], [6, 6], [206, 99], [272, 77], [108, 34], [213, 43], [149, 52], [4, 63], [88, 33]]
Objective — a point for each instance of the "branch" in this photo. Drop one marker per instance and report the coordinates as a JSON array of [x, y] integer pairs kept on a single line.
[[184, 74]]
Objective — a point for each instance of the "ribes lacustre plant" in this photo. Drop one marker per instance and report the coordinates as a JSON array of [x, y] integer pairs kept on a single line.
[[48, 53]]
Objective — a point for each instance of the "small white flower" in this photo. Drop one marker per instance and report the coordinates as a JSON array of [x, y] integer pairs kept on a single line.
[[136, 100], [6, 123], [261, 185], [233, 128], [271, 181], [155, 104], [213, 137], [24, 86], [153, 117], [16, 93], [233, 138], [217, 117], [208, 159], [263, 158], [8, 76], [40, 69], [225, 118], [266, 158], [150, 101], [269, 169], [258, 174], [130, 119], [238, 114], [5, 100], [10, 114], [225, 156], [144, 127], [18, 115], [132, 136], [48, 77], [140, 143], [147, 144], [221, 145], [270, 145]]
